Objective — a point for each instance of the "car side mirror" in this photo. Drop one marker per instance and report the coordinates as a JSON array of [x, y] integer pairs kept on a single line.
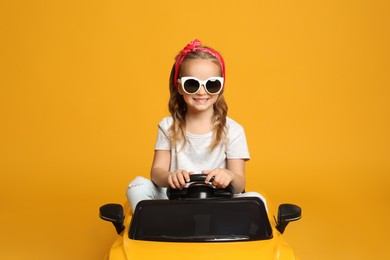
[[114, 214], [286, 214]]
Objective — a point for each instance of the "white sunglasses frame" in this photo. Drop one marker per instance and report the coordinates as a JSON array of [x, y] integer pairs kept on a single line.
[[182, 80]]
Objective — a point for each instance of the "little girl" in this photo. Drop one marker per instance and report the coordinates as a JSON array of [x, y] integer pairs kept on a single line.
[[198, 137]]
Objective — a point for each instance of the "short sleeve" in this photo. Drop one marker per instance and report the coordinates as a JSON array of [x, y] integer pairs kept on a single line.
[[237, 147], [163, 142]]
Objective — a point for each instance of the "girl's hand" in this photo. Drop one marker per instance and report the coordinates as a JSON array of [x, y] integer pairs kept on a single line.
[[179, 178], [222, 177]]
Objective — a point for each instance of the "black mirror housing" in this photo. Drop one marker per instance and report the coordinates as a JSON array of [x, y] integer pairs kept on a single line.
[[113, 213], [286, 214]]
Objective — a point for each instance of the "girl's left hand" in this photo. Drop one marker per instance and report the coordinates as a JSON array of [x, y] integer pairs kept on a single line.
[[222, 177]]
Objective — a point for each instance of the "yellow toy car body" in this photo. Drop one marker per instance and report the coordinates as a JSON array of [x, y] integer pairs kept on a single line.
[[199, 228]]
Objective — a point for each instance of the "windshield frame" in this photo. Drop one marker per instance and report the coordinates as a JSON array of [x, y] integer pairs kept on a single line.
[[201, 220]]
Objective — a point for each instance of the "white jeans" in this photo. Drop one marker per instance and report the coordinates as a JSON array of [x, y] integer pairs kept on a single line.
[[142, 188]]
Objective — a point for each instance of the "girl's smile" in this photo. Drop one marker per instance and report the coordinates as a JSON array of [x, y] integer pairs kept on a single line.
[[201, 100]]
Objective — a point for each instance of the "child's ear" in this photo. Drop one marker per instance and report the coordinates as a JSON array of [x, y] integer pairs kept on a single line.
[[180, 89]]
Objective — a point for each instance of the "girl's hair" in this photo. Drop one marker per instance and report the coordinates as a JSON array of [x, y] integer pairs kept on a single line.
[[178, 107]]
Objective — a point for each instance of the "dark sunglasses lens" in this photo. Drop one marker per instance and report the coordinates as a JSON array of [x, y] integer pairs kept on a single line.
[[213, 86], [191, 85]]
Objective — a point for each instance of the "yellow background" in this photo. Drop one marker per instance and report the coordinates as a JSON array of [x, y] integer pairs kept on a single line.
[[83, 85]]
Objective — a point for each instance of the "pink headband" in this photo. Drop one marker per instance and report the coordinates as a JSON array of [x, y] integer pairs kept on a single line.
[[193, 46]]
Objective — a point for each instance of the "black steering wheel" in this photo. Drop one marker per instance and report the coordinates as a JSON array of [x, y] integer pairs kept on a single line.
[[197, 188]]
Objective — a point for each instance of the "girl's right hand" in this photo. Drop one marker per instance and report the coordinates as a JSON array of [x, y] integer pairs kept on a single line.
[[179, 178]]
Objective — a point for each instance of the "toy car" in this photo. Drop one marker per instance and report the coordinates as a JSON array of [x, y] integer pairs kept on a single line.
[[200, 222]]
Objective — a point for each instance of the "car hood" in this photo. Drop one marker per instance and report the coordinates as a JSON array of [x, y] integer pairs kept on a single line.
[[275, 248]]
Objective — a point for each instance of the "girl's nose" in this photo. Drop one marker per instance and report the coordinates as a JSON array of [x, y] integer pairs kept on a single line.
[[202, 90]]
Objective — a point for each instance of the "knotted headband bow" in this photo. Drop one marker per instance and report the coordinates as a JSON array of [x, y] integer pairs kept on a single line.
[[196, 45]]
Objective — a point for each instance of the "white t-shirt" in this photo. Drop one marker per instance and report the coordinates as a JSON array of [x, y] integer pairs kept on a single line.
[[196, 155]]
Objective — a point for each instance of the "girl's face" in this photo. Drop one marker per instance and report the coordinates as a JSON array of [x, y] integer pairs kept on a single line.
[[201, 69]]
